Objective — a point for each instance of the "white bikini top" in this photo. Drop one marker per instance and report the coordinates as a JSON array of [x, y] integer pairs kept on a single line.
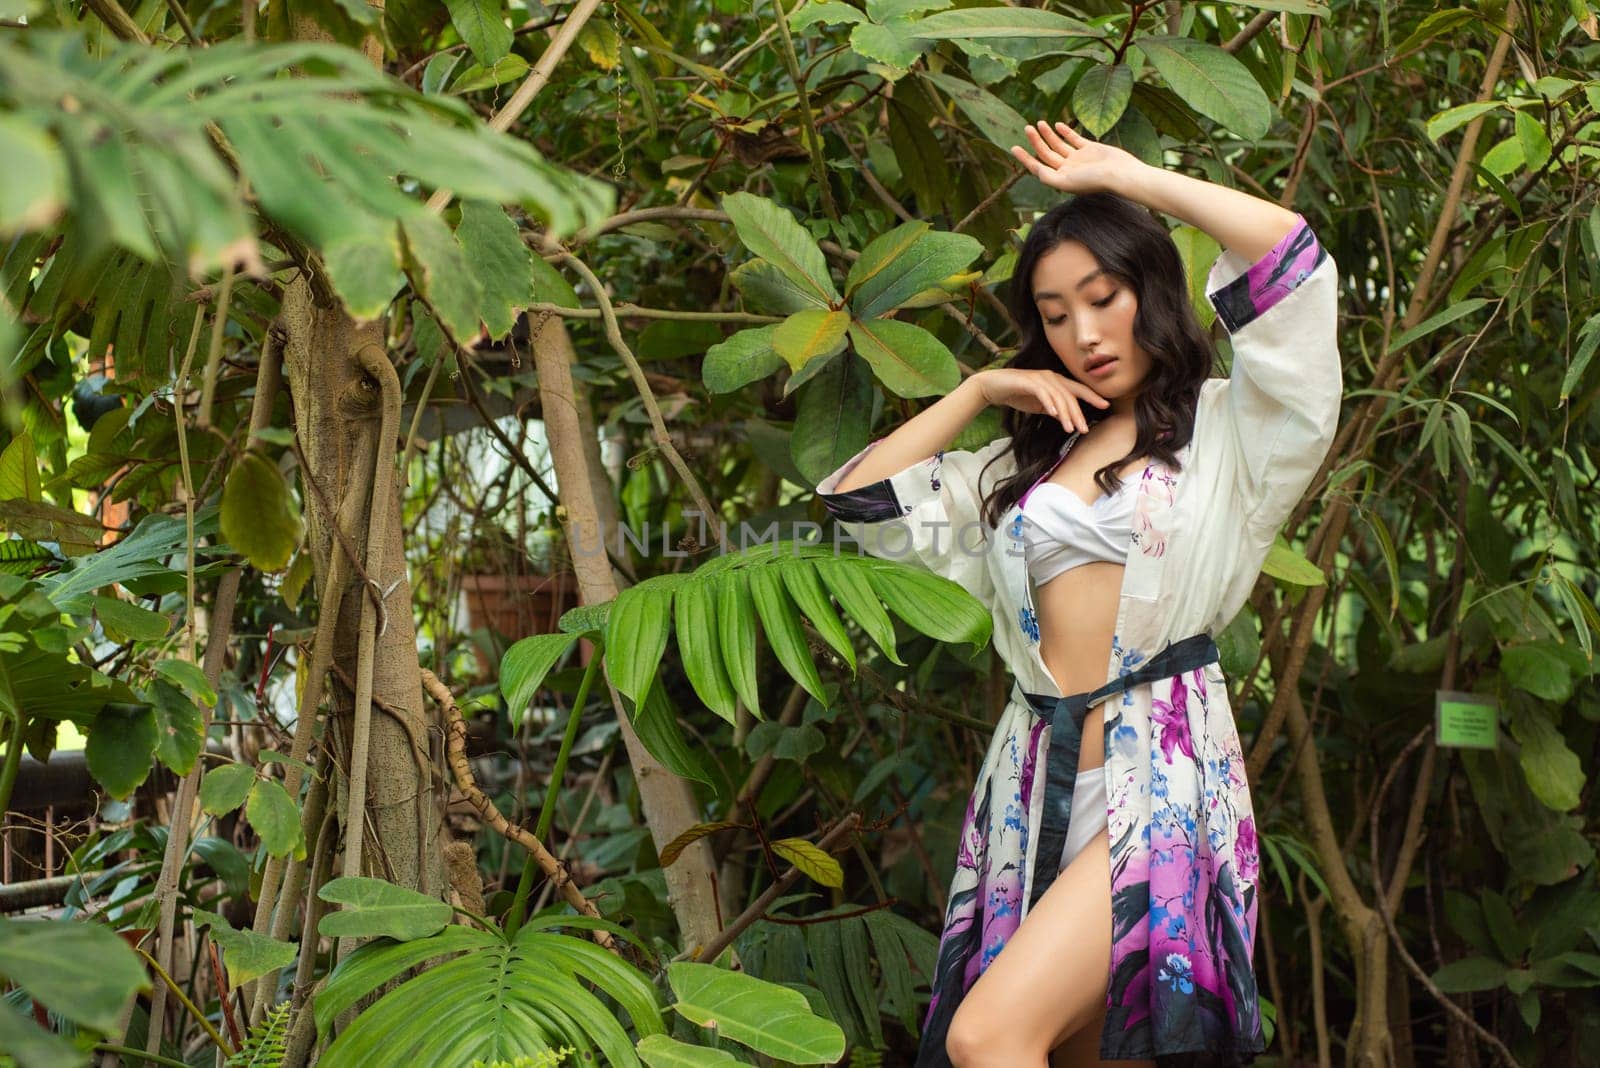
[[1062, 531]]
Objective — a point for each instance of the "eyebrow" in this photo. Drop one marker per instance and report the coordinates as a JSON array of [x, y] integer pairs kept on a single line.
[[1045, 294]]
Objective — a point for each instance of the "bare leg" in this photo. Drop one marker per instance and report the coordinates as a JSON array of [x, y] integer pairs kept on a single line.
[[1048, 984]]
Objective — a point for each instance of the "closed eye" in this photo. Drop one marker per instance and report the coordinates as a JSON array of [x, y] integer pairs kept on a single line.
[[1098, 304]]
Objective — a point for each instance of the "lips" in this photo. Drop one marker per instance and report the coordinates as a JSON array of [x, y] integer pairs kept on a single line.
[[1096, 362]]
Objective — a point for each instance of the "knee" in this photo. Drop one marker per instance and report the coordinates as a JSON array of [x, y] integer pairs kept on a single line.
[[970, 1042]]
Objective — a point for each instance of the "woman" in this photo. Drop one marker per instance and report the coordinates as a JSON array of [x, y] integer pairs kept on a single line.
[[1104, 900]]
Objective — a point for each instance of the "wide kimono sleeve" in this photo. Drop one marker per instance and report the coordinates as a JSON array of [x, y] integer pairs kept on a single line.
[[928, 515], [1283, 394]]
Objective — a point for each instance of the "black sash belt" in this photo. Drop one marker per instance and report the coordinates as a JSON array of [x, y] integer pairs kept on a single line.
[[1066, 737]]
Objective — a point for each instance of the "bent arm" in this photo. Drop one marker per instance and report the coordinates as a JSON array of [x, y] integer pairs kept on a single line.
[[928, 432], [1241, 222]]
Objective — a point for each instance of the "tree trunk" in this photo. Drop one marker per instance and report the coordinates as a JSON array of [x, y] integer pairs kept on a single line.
[[668, 803]]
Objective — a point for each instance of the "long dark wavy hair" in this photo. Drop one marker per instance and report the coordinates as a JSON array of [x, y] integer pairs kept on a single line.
[[1130, 243]]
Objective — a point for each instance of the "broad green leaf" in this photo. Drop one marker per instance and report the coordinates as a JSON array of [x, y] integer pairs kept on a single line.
[[825, 11], [880, 253], [79, 968], [190, 677], [1534, 668], [656, 722], [524, 667], [831, 420], [276, 819], [33, 1046], [121, 743], [179, 728], [19, 469], [812, 600], [1470, 973], [479, 77], [929, 259], [993, 117], [771, 233], [125, 622], [771, 291], [226, 788], [1286, 564], [1533, 139], [930, 603], [365, 269], [783, 743], [746, 357], [1460, 115], [444, 275], [769, 1018], [1212, 82], [1555, 774], [817, 865], [781, 623], [636, 635], [979, 23], [259, 515], [1317, 8], [853, 590], [889, 43], [246, 954], [373, 908], [810, 335], [482, 25], [1101, 96], [663, 1051], [500, 261], [695, 618], [907, 359]]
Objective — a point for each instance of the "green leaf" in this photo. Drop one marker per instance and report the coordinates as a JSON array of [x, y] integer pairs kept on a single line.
[[1535, 668], [907, 359], [771, 233], [180, 729], [736, 634], [19, 469], [980, 23], [121, 742], [663, 1051], [853, 590], [524, 667], [125, 622], [246, 954], [769, 290], [695, 618], [226, 788], [365, 270], [817, 865], [746, 357], [479, 77], [276, 819], [259, 515], [1555, 774], [190, 677], [889, 43], [1434, 322], [883, 250], [1468, 974], [482, 25], [636, 635], [929, 259], [33, 183], [806, 588], [1290, 566], [80, 969], [1450, 118], [444, 275], [1101, 96], [932, 604], [1535, 142], [500, 261], [996, 119], [373, 908], [769, 1018], [33, 1046], [1212, 82], [810, 335], [656, 722], [831, 419], [781, 623]]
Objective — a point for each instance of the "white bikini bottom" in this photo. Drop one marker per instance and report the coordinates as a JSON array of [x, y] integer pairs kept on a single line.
[[1088, 813]]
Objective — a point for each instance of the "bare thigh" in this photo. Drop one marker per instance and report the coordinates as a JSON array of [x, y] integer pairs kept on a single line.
[[1049, 982]]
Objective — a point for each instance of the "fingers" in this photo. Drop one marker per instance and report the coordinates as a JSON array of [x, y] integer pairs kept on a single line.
[[1048, 152], [1048, 135], [1073, 137]]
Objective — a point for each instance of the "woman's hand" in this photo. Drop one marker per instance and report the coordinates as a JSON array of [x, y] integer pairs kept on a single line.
[[1039, 391], [1072, 163]]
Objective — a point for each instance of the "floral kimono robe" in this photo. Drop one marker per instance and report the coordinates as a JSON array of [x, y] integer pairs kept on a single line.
[[1184, 858]]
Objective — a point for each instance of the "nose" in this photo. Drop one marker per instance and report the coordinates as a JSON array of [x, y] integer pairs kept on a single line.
[[1088, 334]]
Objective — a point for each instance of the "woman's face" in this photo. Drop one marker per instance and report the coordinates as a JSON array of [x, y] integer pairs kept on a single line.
[[1087, 315]]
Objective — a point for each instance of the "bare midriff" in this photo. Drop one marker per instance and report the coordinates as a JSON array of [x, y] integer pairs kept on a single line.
[[1077, 615], [1078, 608]]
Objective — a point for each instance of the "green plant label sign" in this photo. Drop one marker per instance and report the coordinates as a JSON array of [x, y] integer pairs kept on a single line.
[[1466, 720]]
